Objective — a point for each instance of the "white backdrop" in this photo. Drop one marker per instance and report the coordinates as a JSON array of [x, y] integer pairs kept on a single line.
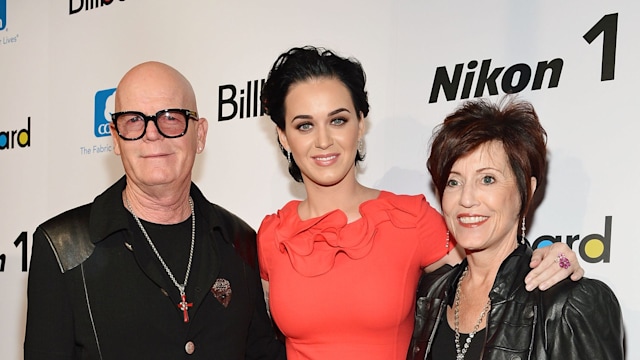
[[59, 59]]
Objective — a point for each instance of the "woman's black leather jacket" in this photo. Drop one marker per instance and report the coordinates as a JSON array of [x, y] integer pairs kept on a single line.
[[572, 320]]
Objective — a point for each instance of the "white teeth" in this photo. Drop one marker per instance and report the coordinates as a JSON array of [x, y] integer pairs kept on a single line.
[[325, 158], [472, 219]]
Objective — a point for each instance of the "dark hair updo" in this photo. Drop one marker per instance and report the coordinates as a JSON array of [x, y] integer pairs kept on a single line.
[[300, 64]]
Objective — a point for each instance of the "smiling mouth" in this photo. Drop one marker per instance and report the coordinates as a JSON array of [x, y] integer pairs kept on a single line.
[[472, 219], [325, 158]]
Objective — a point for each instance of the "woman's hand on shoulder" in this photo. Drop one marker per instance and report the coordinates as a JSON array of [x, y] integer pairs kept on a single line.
[[548, 269]]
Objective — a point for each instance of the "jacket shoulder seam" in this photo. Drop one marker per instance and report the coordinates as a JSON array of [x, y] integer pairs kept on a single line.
[[69, 237]]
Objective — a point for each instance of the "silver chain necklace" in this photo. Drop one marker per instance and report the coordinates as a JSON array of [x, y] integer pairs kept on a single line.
[[456, 310], [183, 304]]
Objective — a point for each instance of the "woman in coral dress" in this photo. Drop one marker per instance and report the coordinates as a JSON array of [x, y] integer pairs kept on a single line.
[[340, 268]]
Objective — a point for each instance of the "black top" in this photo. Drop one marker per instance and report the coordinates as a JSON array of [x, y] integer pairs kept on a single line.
[[444, 346]]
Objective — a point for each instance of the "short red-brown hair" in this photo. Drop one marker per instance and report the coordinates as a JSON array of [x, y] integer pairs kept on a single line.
[[512, 122]]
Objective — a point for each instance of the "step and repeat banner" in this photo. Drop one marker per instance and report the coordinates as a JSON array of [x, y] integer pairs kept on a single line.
[[576, 61]]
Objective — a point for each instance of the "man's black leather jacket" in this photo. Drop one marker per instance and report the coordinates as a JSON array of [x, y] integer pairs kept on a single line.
[[572, 320]]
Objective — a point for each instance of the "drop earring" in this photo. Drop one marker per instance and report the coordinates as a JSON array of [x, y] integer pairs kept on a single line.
[[289, 157], [361, 148], [524, 229], [448, 242]]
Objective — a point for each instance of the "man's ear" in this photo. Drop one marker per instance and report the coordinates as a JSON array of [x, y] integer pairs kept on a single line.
[[115, 138], [203, 127]]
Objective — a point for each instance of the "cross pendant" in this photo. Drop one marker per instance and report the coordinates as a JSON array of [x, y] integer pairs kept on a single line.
[[184, 306]]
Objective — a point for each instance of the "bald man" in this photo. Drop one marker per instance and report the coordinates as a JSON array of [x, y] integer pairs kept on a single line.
[[150, 269]]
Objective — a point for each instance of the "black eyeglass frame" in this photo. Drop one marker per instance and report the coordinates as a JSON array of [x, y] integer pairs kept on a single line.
[[154, 118]]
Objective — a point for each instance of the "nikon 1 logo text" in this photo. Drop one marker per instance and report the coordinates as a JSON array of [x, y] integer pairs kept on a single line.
[[515, 79], [9, 139], [593, 248], [75, 6], [242, 104]]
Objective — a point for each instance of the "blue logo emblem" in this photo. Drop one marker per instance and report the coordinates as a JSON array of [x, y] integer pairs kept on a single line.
[[103, 102], [3, 14]]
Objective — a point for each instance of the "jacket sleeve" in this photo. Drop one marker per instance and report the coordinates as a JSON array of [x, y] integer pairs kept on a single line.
[[262, 343], [588, 325], [431, 302], [49, 331]]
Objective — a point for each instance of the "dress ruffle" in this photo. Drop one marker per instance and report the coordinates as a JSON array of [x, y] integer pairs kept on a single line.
[[312, 245]]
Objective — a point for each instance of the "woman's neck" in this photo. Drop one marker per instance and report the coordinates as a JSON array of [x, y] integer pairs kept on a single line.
[[345, 196], [484, 265]]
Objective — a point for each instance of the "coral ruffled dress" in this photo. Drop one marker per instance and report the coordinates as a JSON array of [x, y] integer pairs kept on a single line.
[[343, 290]]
